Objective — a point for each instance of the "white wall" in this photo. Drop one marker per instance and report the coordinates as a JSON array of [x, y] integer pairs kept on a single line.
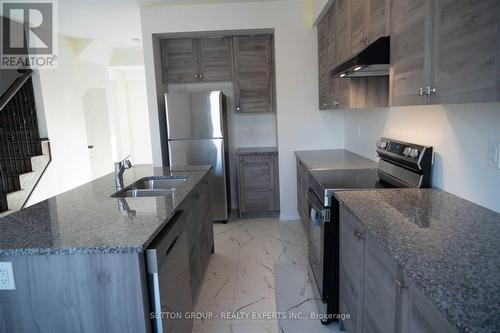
[[319, 8], [62, 91], [84, 103], [300, 125], [458, 133]]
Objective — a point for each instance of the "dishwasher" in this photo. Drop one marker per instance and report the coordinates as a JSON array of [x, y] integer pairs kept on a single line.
[[167, 262]]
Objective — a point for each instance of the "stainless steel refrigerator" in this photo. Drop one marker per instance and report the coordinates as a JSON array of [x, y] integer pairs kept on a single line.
[[197, 135]]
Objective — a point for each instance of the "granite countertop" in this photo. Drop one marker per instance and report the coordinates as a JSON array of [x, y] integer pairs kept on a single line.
[[256, 150], [334, 159], [86, 220], [449, 246]]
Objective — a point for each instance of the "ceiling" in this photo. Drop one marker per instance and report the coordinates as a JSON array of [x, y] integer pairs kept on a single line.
[[115, 21]]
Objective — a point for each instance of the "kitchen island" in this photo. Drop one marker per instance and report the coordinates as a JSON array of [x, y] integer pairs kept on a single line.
[[422, 260], [79, 258]]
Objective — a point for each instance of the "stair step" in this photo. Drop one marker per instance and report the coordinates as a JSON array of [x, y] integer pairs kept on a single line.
[[16, 125], [9, 150], [9, 184], [3, 203], [15, 167]]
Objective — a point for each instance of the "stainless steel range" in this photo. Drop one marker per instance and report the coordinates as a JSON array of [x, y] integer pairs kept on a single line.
[[401, 164]]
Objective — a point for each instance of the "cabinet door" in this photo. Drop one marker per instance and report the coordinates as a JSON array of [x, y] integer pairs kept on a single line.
[[343, 31], [466, 51], [302, 188], [257, 182], [253, 73], [351, 269], [215, 59], [180, 60], [300, 202], [409, 51], [423, 316], [327, 59], [323, 63], [357, 23], [379, 306], [377, 19]]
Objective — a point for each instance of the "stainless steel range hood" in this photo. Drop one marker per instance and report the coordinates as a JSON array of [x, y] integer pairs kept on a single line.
[[372, 61]]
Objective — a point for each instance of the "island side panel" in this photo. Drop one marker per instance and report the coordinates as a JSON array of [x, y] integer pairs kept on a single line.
[[76, 293]]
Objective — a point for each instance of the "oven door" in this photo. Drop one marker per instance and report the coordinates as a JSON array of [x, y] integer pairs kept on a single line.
[[319, 217]]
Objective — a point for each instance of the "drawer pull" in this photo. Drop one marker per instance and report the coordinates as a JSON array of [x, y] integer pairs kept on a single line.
[[359, 234], [401, 285]]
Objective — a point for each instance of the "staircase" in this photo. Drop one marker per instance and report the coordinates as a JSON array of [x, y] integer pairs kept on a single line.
[[24, 156]]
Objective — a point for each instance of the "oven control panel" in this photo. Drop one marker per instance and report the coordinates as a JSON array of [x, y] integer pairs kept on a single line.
[[403, 149]]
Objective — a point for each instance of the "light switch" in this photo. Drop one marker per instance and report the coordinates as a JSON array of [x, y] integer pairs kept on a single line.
[[493, 152], [7, 276]]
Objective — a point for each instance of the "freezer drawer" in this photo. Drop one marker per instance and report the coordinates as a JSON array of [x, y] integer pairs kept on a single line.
[[205, 152], [194, 115]]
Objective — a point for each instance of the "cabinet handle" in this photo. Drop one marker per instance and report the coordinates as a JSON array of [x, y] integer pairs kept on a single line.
[[420, 91], [238, 108], [358, 234], [325, 104], [401, 285], [429, 91], [336, 103], [196, 76], [201, 76]]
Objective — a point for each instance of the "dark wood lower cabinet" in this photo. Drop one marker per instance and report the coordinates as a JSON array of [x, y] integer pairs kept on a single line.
[[302, 188], [111, 293], [374, 290], [102, 293], [200, 235], [258, 184]]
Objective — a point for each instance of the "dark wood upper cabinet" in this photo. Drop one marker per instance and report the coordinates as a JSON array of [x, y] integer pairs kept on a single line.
[[323, 63], [466, 51], [445, 52], [377, 19], [180, 60], [344, 50], [442, 52], [192, 60], [357, 15], [334, 93], [248, 60], [215, 59], [253, 73], [410, 64]]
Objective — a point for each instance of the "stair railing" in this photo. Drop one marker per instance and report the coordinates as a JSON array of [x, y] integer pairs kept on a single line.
[[19, 137]]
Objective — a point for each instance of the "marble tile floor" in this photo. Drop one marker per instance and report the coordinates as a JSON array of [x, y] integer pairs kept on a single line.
[[259, 269]]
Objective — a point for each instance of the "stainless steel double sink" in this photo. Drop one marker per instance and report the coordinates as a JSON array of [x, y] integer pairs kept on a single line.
[[157, 186]]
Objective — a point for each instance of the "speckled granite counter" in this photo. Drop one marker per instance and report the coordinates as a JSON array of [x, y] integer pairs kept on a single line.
[[256, 150], [448, 245], [87, 220], [334, 159]]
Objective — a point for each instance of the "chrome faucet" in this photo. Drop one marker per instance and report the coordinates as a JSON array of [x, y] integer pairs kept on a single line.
[[120, 168]]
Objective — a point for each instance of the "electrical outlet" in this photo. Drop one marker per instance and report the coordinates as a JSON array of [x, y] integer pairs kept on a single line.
[[493, 154], [7, 276]]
